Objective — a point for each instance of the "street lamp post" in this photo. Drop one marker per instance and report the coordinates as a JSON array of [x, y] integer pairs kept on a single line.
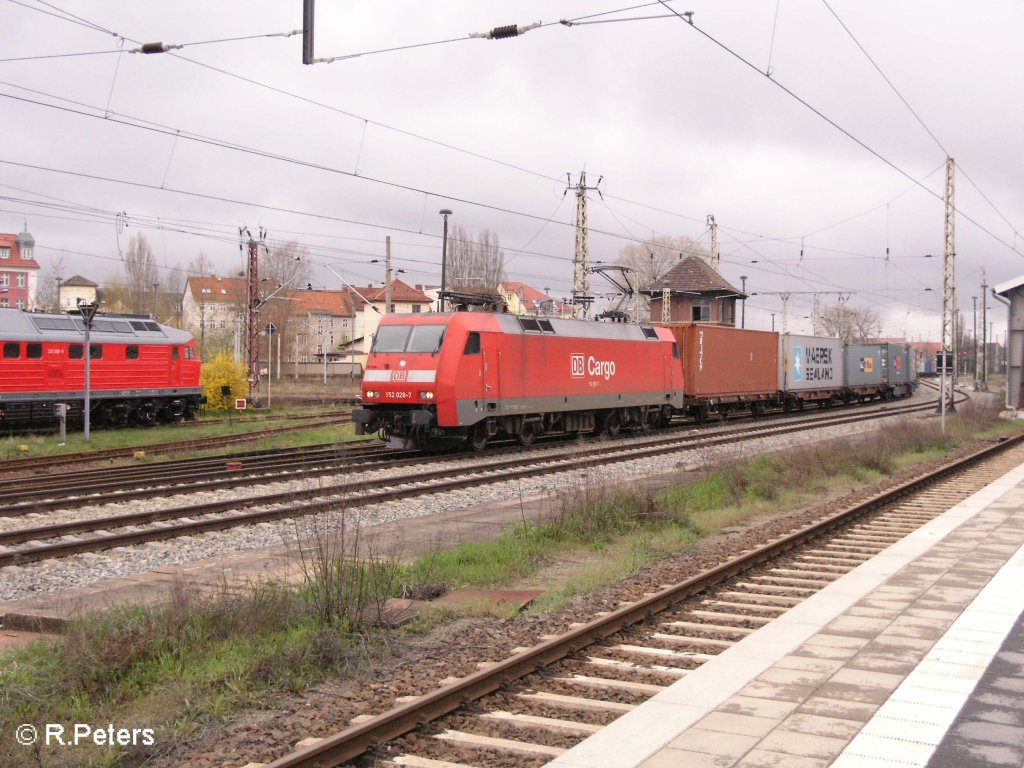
[[444, 257], [743, 290], [88, 313]]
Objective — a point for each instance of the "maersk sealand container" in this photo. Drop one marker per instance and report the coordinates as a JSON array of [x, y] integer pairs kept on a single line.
[[810, 367]]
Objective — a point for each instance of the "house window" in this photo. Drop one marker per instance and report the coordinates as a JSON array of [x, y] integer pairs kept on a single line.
[[223, 324], [5, 253], [701, 310], [416, 308], [4, 303], [5, 280], [20, 303], [728, 312], [26, 254], [21, 280]]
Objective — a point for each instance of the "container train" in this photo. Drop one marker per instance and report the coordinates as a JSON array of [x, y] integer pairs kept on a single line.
[[141, 372], [437, 380]]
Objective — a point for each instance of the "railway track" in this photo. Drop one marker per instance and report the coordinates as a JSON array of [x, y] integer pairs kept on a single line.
[[530, 707], [35, 463], [30, 544]]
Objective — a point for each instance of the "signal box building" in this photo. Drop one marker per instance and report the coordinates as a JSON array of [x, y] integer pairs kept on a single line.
[[696, 294]]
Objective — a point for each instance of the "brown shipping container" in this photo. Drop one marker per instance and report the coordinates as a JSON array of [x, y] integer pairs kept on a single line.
[[725, 362]]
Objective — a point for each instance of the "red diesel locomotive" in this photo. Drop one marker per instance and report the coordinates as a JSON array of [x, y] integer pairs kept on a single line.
[[141, 372], [467, 377]]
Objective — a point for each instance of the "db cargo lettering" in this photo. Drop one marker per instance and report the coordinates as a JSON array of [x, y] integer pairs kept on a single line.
[[590, 366], [603, 368]]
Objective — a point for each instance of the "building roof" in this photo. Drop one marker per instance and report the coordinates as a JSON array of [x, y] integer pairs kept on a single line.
[[230, 289], [1004, 288], [400, 293], [15, 262], [77, 281], [334, 303], [692, 275]]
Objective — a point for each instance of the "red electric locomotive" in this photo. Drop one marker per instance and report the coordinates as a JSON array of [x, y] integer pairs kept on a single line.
[[468, 377], [141, 372]]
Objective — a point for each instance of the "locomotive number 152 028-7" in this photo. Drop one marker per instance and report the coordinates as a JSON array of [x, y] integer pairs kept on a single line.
[[398, 395]]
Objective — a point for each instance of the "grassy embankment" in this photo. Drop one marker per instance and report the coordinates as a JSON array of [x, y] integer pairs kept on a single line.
[[204, 656]]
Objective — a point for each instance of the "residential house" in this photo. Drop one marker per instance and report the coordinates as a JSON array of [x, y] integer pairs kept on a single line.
[[19, 271], [524, 300], [368, 304], [74, 291]]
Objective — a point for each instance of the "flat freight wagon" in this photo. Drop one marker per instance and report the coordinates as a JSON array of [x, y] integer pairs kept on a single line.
[[727, 369]]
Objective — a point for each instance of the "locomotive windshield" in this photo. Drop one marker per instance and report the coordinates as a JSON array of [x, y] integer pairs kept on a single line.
[[408, 338]]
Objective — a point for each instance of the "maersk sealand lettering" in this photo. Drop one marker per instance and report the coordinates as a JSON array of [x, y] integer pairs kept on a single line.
[[818, 364]]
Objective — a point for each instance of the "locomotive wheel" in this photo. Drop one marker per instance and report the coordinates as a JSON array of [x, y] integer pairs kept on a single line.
[[478, 437], [527, 434]]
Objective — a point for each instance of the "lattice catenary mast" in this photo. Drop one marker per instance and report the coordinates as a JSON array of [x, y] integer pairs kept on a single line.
[[581, 296], [948, 294]]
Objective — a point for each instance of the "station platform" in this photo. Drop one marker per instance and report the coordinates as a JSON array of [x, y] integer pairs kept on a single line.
[[914, 658]]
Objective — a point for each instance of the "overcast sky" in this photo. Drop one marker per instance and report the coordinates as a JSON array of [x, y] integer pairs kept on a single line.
[[337, 156]]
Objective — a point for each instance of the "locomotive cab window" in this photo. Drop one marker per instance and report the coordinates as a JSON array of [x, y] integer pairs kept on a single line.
[[472, 344], [423, 339], [190, 354], [75, 352], [95, 351], [12, 350], [675, 351], [131, 352], [34, 351]]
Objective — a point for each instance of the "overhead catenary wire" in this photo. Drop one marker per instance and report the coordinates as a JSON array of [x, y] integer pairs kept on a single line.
[[917, 117], [834, 124]]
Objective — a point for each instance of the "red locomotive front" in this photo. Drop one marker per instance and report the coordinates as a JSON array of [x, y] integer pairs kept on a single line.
[[473, 376]]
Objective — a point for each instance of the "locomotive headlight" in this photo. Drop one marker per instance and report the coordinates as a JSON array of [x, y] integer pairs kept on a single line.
[[426, 395], [370, 394]]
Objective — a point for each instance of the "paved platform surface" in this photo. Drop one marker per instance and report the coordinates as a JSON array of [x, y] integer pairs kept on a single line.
[[914, 658]]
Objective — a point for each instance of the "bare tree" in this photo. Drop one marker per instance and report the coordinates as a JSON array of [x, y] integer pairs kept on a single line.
[[851, 324], [201, 266], [286, 265], [141, 276], [655, 256], [48, 292], [474, 265]]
